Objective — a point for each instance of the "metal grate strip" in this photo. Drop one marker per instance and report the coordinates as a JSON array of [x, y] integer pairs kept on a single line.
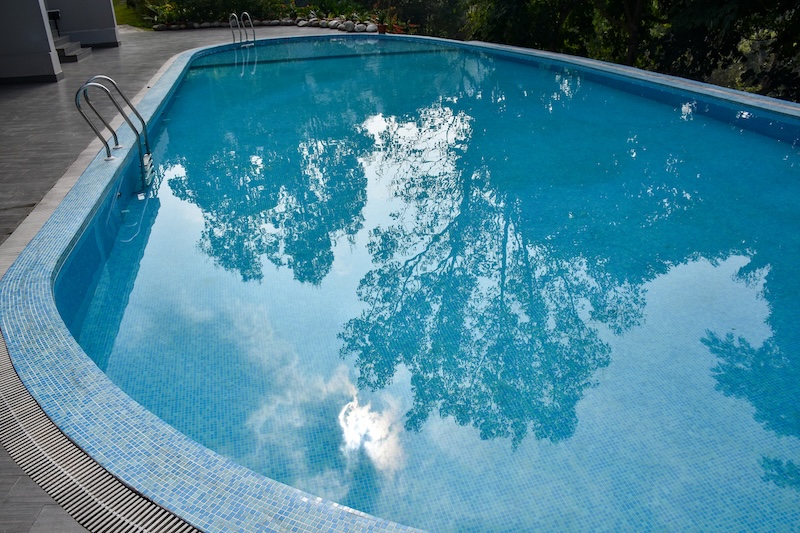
[[89, 493]]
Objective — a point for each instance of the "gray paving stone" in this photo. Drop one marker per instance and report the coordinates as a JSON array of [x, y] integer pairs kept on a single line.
[[54, 518], [7, 465], [26, 491], [6, 484], [19, 517]]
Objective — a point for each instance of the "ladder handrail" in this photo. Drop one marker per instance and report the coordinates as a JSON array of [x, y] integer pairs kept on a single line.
[[241, 24], [145, 158], [109, 157], [246, 18], [102, 87], [130, 105], [233, 17], [104, 121]]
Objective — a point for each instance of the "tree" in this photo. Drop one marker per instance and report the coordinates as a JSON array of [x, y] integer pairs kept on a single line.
[[621, 28], [754, 44], [760, 38], [557, 25]]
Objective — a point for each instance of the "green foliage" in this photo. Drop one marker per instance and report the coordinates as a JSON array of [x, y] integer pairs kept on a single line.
[[441, 18], [755, 41], [747, 45], [337, 7], [173, 11], [268, 9], [126, 13], [502, 21], [557, 25]]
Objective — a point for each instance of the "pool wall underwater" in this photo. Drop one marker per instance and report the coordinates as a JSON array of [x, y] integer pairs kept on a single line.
[[207, 490]]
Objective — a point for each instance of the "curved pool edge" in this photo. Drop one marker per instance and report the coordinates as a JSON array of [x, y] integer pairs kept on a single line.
[[88, 492], [197, 484], [667, 81]]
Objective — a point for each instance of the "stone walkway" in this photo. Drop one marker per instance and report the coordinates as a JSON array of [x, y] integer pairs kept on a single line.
[[42, 134]]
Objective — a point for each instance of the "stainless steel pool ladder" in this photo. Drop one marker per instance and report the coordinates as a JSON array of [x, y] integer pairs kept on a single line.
[[237, 23], [145, 157]]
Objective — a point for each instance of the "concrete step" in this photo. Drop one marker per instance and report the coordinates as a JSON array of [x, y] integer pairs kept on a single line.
[[70, 52], [60, 41], [81, 53], [68, 49]]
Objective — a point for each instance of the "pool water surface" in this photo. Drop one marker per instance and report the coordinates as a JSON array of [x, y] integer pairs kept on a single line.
[[462, 291]]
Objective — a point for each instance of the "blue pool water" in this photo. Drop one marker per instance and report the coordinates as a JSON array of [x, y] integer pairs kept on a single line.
[[462, 291]]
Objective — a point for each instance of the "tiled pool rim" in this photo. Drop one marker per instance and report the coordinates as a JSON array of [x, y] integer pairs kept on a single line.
[[205, 489]]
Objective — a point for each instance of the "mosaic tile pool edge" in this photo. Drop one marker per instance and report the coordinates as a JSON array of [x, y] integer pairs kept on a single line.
[[204, 488]]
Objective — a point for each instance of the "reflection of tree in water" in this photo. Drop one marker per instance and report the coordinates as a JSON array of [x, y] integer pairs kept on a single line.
[[292, 222], [489, 285], [264, 195], [782, 473], [768, 376], [490, 318]]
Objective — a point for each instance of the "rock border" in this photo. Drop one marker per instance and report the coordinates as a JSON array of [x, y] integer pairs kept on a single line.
[[339, 23]]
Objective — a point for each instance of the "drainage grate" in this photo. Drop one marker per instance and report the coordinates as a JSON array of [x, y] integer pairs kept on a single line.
[[90, 494]]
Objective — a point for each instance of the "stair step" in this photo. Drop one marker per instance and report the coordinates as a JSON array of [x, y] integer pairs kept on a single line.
[[68, 49], [75, 56]]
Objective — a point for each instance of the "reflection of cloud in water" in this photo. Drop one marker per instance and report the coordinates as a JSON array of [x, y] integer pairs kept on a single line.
[[377, 432], [298, 438], [308, 440], [422, 147], [286, 409]]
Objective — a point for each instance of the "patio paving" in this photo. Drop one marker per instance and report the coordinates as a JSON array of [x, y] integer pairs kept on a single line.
[[42, 135]]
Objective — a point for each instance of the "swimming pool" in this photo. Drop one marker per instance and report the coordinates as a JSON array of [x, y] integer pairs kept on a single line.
[[634, 292]]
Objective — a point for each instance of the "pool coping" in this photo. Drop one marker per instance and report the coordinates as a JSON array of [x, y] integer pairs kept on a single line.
[[207, 490]]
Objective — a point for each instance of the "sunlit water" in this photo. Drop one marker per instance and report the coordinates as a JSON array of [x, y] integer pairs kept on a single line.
[[463, 293]]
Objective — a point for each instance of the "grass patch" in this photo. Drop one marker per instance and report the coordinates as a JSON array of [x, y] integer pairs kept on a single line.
[[127, 15]]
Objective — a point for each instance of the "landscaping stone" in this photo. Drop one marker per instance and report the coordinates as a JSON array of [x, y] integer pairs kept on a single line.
[[313, 22]]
